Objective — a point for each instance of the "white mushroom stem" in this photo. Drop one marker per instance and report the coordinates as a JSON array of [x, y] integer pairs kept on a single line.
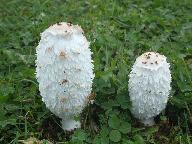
[[70, 124], [148, 122]]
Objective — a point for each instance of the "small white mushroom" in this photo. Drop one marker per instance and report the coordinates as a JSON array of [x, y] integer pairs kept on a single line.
[[62, 49], [149, 86]]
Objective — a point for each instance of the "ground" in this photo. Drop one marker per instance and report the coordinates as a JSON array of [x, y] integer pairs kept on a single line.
[[119, 31]]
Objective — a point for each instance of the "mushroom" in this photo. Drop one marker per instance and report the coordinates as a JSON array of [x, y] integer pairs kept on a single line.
[[62, 51], [149, 86]]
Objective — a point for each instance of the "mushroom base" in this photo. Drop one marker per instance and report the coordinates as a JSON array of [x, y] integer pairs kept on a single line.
[[70, 124], [148, 122]]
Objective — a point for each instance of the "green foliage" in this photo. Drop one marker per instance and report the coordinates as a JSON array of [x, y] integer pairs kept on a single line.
[[115, 136], [125, 127], [79, 137], [119, 31]]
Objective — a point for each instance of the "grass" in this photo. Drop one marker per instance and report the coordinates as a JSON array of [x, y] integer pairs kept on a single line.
[[119, 32]]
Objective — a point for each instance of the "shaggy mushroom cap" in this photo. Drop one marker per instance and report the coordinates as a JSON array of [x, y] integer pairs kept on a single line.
[[151, 60], [149, 85], [63, 29], [64, 69]]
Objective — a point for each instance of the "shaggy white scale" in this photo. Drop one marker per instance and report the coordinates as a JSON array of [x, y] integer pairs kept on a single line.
[[149, 86], [64, 71]]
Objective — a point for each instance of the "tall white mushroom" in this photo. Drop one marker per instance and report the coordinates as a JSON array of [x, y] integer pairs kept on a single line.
[[149, 86], [64, 71]]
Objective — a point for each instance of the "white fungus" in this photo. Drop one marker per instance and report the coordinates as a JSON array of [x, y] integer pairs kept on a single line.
[[149, 86], [64, 71]]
